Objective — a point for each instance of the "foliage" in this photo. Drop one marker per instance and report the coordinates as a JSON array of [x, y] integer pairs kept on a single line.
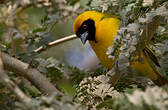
[[92, 91], [52, 102], [154, 98]]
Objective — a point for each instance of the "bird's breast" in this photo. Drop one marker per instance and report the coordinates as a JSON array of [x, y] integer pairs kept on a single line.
[[100, 50]]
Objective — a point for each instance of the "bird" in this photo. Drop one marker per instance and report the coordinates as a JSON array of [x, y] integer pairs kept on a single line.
[[100, 29]]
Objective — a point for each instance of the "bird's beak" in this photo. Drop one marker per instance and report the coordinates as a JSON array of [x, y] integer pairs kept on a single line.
[[84, 37]]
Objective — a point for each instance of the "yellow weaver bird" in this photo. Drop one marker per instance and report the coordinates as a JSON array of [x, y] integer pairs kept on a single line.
[[100, 29]]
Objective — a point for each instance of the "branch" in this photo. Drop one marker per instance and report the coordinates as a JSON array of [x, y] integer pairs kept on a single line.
[[56, 42], [114, 75], [11, 85], [34, 76], [147, 34]]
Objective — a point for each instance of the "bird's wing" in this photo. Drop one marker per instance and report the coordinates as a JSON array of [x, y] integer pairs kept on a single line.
[[147, 51]]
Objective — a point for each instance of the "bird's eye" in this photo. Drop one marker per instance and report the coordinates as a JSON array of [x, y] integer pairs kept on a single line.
[[84, 26]]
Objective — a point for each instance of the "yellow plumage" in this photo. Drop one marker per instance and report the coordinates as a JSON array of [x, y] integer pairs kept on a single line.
[[106, 27]]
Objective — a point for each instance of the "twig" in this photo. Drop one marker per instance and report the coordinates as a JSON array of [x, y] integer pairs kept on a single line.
[[117, 75], [33, 75], [11, 85], [56, 42]]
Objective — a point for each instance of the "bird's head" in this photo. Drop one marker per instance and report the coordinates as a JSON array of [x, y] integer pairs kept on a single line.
[[85, 26]]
